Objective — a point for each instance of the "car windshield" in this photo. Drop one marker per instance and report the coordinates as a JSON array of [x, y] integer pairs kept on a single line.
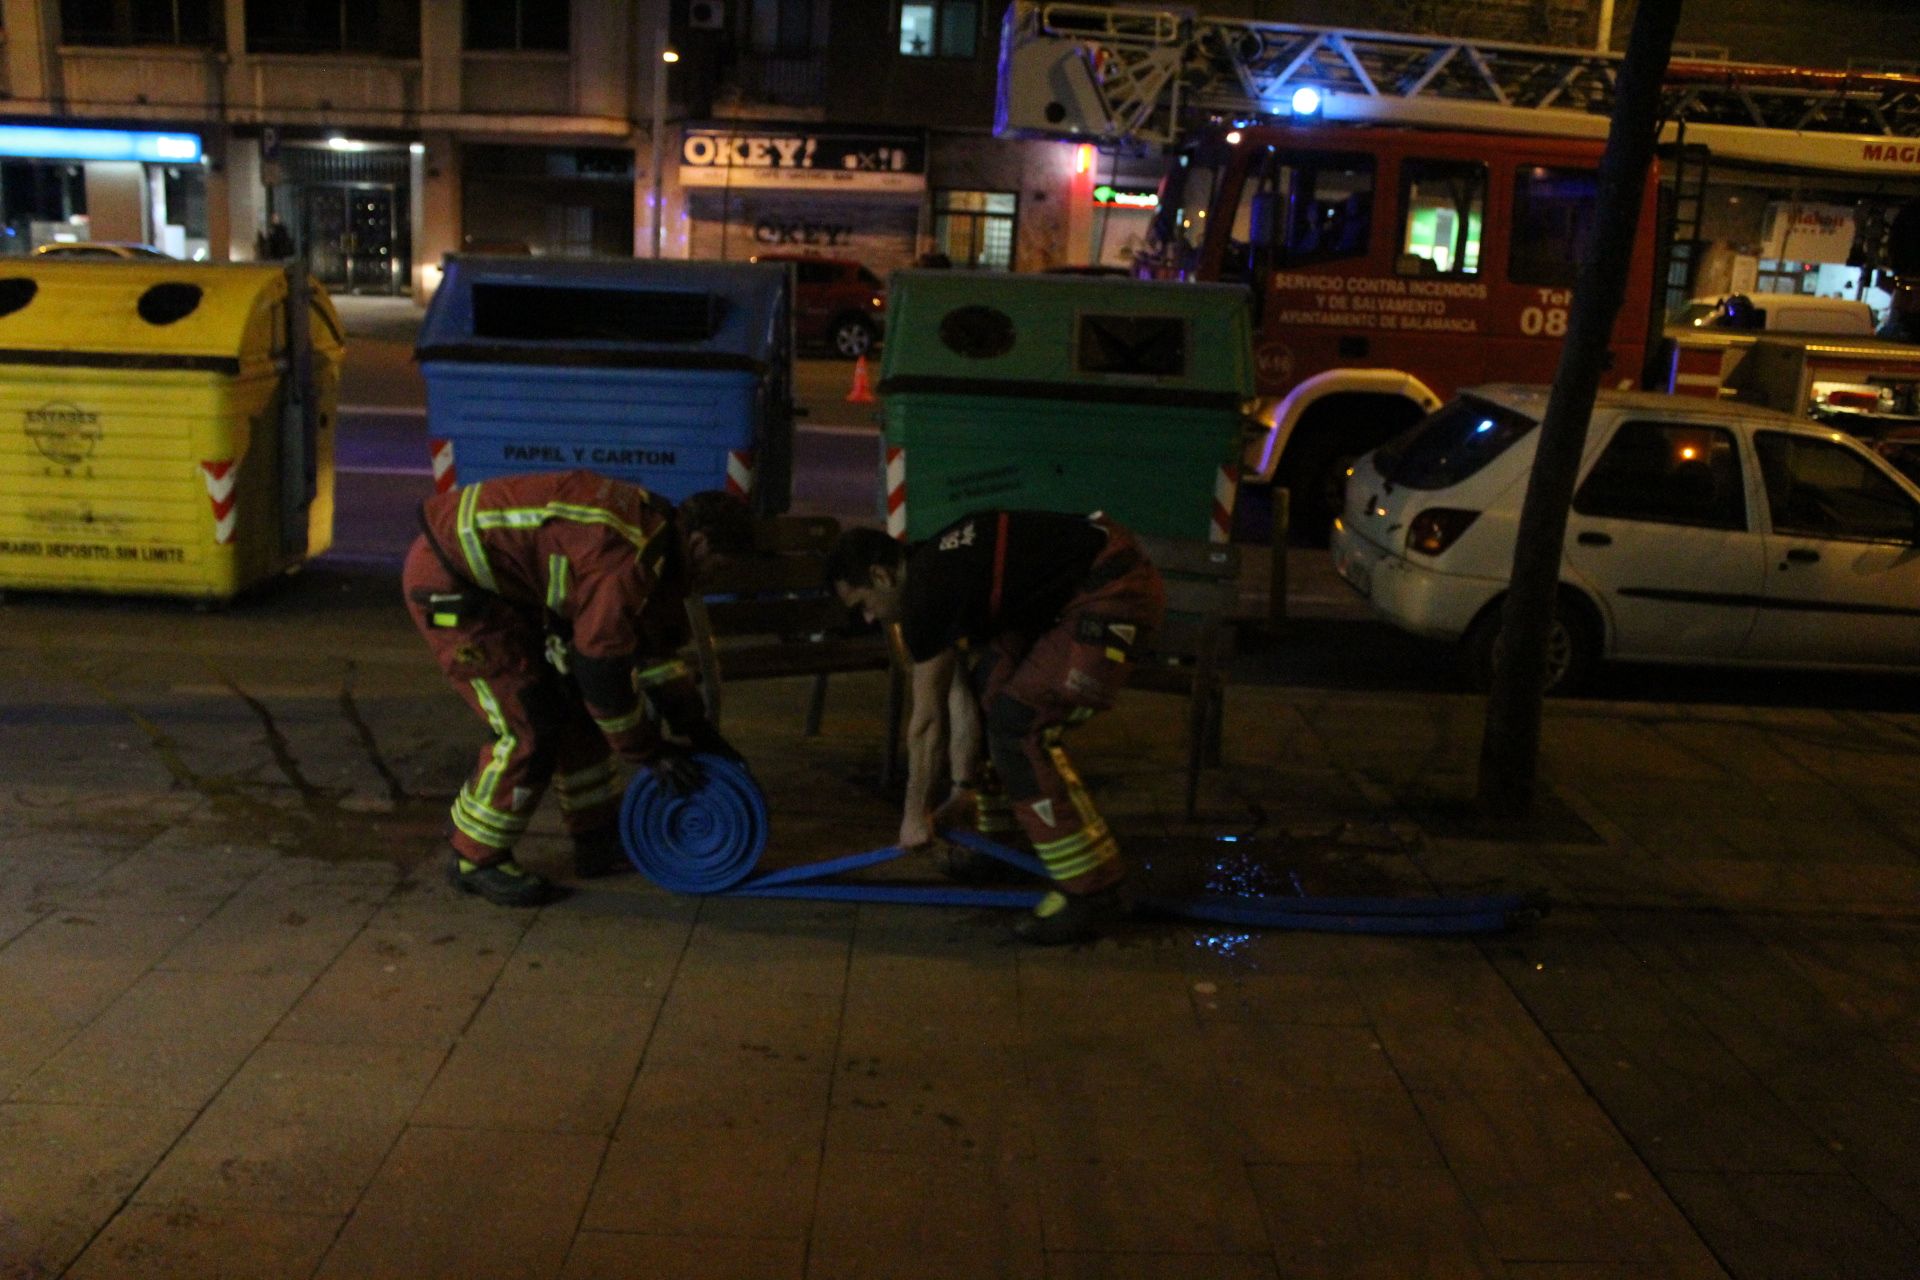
[[1451, 444]]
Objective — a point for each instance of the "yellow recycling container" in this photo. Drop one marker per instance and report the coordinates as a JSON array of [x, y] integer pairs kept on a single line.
[[166, 428]]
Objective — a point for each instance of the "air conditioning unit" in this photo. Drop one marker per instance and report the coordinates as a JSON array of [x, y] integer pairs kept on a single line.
[[706, 15]]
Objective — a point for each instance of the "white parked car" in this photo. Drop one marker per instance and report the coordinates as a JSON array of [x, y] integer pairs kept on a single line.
[[1701, 532], [1777, 313]]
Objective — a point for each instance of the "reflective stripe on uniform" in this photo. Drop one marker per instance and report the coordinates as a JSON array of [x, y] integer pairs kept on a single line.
[[662, 673], [534, 517], [621, 724], [470, 545], [484, 824], [1076, 855], [586, 788], [473, 815], [557, 567]]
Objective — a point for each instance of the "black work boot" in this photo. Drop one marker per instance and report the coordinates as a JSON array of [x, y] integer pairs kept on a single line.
[[1062, 918], [599, 853], [504, 883]]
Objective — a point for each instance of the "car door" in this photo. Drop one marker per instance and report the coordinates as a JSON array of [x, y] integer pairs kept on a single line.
[[1842, 570], [1662, 536], [813, 299]]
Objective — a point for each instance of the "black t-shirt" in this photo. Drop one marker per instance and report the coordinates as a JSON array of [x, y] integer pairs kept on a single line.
[[964, 584]]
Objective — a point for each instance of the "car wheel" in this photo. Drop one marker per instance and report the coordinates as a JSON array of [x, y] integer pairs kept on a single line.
[[1573, 648], [852, 337]]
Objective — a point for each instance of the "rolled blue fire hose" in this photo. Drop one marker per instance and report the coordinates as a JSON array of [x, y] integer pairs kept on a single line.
[[710, 841]]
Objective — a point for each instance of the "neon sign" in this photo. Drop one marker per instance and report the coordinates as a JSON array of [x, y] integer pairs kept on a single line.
[[1108, 196], [42, 142]]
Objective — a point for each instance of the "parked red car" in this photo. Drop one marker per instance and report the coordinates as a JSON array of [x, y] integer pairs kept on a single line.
[[837, 303]]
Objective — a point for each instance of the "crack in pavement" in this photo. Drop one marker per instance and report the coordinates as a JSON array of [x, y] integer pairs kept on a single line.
[[396, 791], [313, 796]]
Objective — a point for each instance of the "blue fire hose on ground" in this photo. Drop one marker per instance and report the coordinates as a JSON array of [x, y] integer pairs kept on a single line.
[[709, 842]]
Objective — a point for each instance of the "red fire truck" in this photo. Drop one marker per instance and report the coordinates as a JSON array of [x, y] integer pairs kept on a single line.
[[1408, 211]]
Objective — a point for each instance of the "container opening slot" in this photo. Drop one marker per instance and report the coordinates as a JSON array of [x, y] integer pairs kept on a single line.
[[1141, 346], [559, 313], [15, 293]]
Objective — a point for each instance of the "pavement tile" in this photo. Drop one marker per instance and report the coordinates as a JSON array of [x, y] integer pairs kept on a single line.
[[147, 1243], [174, 874], [1303, 1055], [1120, 1098], [1159, 1266], [604, 943], [66, 1172], [1138, 1205], [301, 1127], [16, 920], [454, 1204], [775, 1107], [1332, 1222], [719, 1187], [1276, 1122], [1295, 998], [736, 1011], [412, 976], [1773, 1226], [172, 1039], [970, 1101], [1573, 974], [544, 1061], [953, 1218], [298, 930], [1686, 1103], [1473, 1050], [1551, 1180], [624, 1255]]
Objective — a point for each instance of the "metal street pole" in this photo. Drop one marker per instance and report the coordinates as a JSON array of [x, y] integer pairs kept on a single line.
[[663, 57]]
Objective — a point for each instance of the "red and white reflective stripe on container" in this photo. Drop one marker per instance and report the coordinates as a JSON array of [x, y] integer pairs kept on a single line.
[[220, 478], [897, 492], [441, 451], [1226, 487], [740, 473], [1697, 371]]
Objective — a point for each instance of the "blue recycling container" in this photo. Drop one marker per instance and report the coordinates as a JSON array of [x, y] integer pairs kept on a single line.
[[673, 375]]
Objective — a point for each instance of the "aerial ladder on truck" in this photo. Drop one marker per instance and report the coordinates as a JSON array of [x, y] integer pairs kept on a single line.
[[1129, 78]]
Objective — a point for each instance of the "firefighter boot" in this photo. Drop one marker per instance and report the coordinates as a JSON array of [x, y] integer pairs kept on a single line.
[[1062, 918], [505, 883], [599, 853], [993, 819]]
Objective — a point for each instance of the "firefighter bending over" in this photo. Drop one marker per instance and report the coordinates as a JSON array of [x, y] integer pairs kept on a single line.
[[555, 603], [1045, 611]]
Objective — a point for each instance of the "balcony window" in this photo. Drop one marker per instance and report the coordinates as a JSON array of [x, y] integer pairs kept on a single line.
[[940, 28], [518, 25], [385, 28], [783, 28], [136, 22]]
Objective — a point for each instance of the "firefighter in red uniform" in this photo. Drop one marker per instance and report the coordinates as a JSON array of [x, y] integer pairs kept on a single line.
[[555, 603], [1050, 609]]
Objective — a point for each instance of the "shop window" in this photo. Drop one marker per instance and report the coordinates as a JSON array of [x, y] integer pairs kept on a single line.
[[385, 28], [1553, 213], [975, 228], [1442, 205], [518, 25], [940, 28], [132, 22]]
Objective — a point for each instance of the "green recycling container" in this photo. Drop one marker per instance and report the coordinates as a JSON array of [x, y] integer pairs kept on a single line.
[[1064, 393]]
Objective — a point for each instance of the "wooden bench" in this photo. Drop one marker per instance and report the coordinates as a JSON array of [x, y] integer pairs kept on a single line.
[[1191, 653], [770, 615]]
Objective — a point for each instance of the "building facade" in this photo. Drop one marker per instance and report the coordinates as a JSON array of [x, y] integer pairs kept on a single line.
[[384, 134]]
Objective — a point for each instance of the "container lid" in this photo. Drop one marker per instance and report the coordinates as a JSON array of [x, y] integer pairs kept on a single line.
[[607, 312], [1084, 337], [142, 314]]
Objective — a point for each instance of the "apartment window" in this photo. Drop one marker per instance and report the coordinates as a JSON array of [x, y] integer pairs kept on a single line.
[[131, 22], [783, 27], [386, 28], [940, 29], [975, 228], [518, 24]]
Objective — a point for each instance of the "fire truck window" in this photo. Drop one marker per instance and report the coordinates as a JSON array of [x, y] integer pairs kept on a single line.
[[1298, 208], [1443, 203], [1552, 224]]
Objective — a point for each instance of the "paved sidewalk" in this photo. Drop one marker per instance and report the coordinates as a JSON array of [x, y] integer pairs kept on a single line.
[[245, 1031]]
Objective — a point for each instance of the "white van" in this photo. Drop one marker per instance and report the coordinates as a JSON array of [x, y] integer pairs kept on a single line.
[[1777, 313]]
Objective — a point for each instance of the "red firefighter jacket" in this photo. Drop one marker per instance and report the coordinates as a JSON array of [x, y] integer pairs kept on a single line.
[[599, 556]]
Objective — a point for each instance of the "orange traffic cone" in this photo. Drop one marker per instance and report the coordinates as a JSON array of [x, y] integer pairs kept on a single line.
[[862, 392]]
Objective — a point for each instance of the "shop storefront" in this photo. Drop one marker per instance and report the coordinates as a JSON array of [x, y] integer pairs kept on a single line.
[[122, 185], [752, 187], [347, 203]]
